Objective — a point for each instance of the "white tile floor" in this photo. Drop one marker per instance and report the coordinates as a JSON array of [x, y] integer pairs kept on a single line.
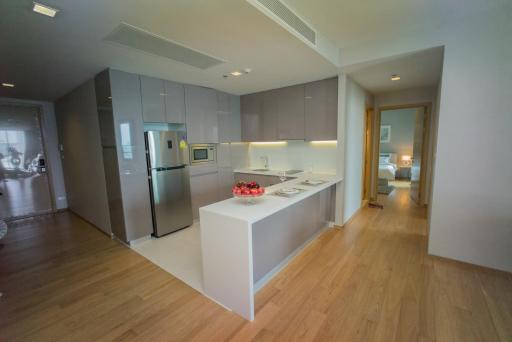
[[178, 253]]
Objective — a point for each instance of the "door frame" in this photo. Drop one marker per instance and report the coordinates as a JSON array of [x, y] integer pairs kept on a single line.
[[367, 153], [424, 147], [51, 191]]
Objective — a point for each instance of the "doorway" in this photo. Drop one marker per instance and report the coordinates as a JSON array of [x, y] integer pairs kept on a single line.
[[402, 147], [24, 186]]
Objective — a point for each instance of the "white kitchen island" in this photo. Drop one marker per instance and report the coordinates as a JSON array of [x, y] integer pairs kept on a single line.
[[245, 245]]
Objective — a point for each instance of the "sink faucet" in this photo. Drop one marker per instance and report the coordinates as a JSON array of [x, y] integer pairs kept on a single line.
[[265, 161]]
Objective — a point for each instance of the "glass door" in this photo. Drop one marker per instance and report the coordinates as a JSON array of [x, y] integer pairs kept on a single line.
[[24, 187]]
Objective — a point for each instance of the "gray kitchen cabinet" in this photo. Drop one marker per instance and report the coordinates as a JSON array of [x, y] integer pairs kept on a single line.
[[235, 126], [174, 102], [223, 102], [226, 180], [300, 112], [290, 118], [321, 106], [204, 186], [251, 107], [270, 115], [127, 160], [153, 99], [201, 118], [228, 111], [225, 167]]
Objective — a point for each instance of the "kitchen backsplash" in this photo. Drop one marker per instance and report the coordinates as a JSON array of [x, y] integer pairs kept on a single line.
[[302, 155]]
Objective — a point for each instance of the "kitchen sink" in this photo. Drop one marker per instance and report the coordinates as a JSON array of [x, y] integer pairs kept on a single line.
[[260, 170], [292, 172]]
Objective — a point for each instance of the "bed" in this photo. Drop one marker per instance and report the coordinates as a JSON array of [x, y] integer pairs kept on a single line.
[[387, 166]]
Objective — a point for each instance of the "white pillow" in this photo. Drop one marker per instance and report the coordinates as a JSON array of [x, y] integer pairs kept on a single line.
[[383, 160]]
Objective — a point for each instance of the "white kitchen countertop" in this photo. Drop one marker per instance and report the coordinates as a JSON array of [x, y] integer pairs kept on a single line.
[[268, 204]]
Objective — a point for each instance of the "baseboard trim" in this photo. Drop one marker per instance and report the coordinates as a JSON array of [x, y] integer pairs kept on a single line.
[[110, 235], [139, 240], [354, 215], [469, 264]]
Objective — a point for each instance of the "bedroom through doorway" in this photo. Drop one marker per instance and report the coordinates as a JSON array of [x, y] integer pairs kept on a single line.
[[401, 148]]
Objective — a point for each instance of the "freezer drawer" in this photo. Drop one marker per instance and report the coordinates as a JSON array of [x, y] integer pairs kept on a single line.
[[172, 208]]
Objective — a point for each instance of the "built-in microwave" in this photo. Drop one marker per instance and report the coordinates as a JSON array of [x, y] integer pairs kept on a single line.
[[202, 153]]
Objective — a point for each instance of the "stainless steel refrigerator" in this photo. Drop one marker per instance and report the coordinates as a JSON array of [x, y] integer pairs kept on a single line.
[[168, 170]]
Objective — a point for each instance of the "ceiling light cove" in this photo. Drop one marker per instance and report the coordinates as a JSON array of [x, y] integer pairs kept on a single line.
[[395, 77], [8, 85], [45, 10]]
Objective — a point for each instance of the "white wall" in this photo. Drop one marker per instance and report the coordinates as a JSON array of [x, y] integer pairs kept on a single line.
[[49, 128], [356, 102], [471, 216], [301, 155]]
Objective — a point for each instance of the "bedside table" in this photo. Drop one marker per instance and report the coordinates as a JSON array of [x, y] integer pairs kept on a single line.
[[403, 172]]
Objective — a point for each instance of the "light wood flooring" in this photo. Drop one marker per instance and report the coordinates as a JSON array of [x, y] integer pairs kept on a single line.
[[63, 280]]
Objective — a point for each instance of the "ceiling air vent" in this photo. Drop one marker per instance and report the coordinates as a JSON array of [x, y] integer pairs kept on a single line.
[[286, 15], [136, 38]]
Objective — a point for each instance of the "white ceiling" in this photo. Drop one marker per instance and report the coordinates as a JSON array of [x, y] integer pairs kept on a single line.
[[420, 69], [355, 22], [46, 57]]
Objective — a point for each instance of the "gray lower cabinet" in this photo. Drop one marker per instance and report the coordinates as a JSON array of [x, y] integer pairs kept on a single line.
[[201, 118], [251, 112], [153, 99], [321, 109], [204, 188], [228, 112], [174, 102], [290, 118], [226, 180]]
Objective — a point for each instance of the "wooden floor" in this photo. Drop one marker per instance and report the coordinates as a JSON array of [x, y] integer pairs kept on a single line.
[[372, 281]]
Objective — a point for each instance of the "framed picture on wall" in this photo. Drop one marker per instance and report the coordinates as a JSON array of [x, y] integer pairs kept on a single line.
[[385, 133]]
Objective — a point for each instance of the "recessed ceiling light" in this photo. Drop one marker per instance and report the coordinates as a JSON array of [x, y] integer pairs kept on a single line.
[[8, 85], [44, 10], [236, 73], [395, 77]]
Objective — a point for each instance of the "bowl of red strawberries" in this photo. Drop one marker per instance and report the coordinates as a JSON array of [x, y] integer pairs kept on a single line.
[[248, 190]]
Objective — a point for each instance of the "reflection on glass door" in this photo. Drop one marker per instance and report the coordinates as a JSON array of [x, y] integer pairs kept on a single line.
[[23, 179]]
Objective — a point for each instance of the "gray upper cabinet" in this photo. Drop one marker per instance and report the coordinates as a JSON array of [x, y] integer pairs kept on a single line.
[[228, 111], [321, 100], [236, 120], [153, 99], [251, 107], [270, 115], [291, 113], [174, 102], [201, 118]]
